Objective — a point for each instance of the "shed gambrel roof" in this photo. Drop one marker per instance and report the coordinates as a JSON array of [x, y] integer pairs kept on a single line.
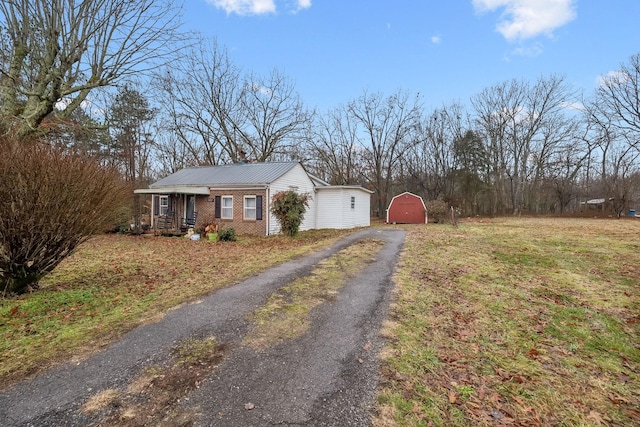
[[231, 175]]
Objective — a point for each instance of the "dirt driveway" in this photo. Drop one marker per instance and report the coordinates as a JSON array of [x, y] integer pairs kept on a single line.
[[327, 377]]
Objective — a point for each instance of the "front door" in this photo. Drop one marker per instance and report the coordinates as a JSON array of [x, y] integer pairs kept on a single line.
[[190, 208]]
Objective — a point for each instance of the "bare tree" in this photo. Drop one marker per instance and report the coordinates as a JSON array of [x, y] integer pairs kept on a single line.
[[618, 97], [615, 159], [387, 127], [334, 148], [276, 117], [557, 174], [170, 154], [58, 51], [202, 95], [218, 112], [514, 116], [492, 107], [426, 161]]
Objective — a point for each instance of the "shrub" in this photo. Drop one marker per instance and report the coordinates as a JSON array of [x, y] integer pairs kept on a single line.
[[121, 220], [51, 200], [227, 235], [437, 210], [289, 207]]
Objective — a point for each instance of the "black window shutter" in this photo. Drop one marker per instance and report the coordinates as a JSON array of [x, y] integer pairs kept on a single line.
[[217, 207], [259, 208], [156, 205]]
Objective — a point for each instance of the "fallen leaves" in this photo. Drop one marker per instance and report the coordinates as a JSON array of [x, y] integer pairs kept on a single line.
[[533, 342], [617, 399], [113, 283], [596, 418]]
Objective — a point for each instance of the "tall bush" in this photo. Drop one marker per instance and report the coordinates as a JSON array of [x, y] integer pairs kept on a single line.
[[289, 208], [51, 200], [438, 210]]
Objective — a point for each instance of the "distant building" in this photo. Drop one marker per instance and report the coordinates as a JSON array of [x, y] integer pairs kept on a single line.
[[407, 208]]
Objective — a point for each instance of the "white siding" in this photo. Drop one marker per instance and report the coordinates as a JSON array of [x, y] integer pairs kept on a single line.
[[297, 178], [334, 207], [330, 212]]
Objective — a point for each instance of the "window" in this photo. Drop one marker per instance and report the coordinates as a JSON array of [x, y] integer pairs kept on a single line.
[[250, 207], [227, 207], [353, 202], [164, 204]]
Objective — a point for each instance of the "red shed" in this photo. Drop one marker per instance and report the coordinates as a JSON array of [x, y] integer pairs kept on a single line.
[[407, 208]]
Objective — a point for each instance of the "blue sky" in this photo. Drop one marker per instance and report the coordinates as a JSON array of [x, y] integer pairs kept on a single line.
[[447, 50]]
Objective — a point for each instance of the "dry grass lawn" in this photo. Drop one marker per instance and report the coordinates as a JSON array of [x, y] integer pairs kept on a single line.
[[115, 282], [515, 322], [495, 322]]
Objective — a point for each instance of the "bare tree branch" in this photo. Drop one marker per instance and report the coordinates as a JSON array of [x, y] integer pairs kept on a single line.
[[63, 49]]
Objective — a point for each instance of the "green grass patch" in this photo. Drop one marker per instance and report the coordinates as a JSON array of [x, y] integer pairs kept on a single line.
[[515, 321], [115, 282], [286, 313]]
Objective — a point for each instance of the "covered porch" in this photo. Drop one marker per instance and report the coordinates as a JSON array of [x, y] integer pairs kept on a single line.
[[174, 209]]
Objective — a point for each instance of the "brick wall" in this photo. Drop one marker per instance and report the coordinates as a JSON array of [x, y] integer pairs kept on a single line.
[[205, 207], [206, 212]]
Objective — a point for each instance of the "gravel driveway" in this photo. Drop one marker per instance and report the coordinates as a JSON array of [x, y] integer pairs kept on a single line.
[[326, 377]]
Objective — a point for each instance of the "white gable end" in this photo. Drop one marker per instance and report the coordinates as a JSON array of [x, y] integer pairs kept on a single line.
[[295, 179]]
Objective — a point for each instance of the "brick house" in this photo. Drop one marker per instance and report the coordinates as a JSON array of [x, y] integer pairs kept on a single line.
[[239, 195]]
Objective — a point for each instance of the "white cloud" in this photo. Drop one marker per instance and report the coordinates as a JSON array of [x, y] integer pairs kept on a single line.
[[89, 107], [573, 106], [613, 78], [304, 4], [524, 19], [260, 89], [245, 7], [436, 39], [258, 7], [530, 51]]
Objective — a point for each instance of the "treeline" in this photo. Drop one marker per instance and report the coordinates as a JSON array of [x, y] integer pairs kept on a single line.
[[517, 147], [153, 100]]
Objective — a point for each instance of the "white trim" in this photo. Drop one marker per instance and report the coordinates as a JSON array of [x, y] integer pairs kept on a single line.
[[317, 181], [222, 207], [178, 189], [238, 188], [346, 187], [184, 211], [166, 207], [266, 213], [244, 207]]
